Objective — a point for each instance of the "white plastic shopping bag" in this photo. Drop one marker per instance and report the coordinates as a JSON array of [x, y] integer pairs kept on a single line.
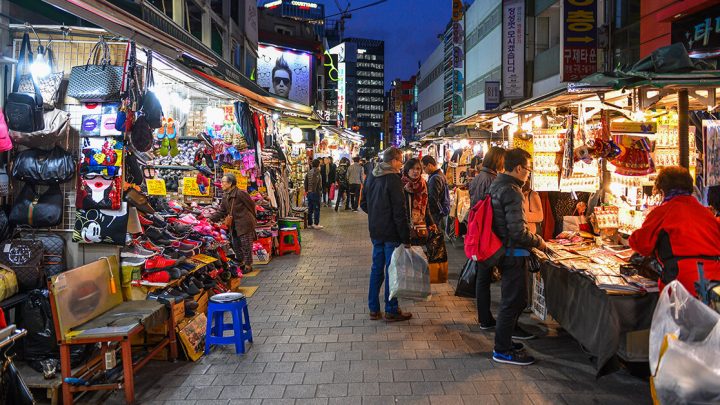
[[408, 274], [684, 349]]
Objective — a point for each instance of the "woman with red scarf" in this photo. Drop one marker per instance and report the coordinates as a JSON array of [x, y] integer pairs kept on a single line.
[[416, 194], [680, 232]]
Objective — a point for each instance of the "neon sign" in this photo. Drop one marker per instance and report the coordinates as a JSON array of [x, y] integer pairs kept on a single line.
[[273, 4], [304, 4]]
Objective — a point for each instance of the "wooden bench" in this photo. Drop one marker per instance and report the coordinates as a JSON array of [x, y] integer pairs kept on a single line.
[[88, 308]]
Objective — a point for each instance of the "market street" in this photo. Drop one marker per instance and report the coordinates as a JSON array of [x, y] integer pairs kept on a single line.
[[314, 344]]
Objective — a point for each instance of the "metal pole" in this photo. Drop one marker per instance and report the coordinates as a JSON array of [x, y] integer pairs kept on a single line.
[[683, 136]]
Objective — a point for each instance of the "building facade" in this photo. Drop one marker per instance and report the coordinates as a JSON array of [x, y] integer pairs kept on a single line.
[[695, 23], [483, 39], [431, 90], [308, 12]]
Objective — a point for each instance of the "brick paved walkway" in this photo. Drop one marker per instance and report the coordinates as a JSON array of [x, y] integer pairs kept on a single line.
[[314, 344]]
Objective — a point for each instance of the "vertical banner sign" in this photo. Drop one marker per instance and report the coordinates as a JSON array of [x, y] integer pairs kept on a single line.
[[492, 95], [341, 96], [398, 129], [513, 69], [579, 53], [458, 59]]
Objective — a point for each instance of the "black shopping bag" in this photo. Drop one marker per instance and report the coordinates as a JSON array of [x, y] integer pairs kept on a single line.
[[436, 250], [466, 281]]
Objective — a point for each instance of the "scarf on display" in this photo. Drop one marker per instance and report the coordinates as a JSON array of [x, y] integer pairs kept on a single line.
[[419, 192], [674, 193]]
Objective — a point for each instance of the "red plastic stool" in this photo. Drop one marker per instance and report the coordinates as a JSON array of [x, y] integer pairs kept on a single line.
[[289, 241]]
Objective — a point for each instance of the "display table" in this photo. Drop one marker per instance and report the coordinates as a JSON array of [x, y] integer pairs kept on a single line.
[[595, 319]]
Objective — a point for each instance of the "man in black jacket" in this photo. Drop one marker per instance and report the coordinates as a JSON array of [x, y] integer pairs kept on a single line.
[[384, 202], [437, 189], [510, 225], [328, 170]]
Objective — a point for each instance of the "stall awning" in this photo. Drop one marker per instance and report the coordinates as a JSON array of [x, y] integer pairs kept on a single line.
[[345, 134], [480, 117]]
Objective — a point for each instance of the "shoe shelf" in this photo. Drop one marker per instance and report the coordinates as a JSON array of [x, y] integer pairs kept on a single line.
[[172, 167], [200, 261]]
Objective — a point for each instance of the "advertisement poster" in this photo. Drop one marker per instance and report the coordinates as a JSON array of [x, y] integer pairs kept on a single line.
[[711, 132], [579, 51], [285, 73], [513, 45]]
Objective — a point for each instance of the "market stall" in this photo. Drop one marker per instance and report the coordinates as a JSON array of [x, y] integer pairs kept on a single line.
[[114, 199]]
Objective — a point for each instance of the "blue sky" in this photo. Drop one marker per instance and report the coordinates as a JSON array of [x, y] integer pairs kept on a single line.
[[408, 27]]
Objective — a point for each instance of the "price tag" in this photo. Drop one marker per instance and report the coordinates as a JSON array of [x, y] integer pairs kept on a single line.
[[156, 187], [190, 187], [242, 180]]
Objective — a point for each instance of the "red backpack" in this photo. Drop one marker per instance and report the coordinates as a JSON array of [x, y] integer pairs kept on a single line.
[[481, 243]]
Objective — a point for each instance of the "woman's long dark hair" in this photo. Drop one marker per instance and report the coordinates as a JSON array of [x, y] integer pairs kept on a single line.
[[409, 165]]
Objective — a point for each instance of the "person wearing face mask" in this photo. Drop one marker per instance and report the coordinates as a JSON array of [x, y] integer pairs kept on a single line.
[[680, 232], [416, 193], [237, 210], [510, 225], [384, 202]]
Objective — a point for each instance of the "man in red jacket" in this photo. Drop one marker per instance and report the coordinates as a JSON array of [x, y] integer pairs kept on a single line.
[[680, 232]]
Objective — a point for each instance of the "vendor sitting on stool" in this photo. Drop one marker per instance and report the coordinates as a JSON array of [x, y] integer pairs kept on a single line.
[[680, 231], [237, 210]]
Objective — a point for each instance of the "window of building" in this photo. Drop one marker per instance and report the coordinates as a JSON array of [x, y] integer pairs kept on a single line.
[[217, 38], [217, 6], [194, 15], [163, 5], [547, 29], [283, 30]]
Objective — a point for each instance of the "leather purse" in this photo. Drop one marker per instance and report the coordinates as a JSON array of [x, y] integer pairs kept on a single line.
[[49, 85], [36, 166], [13, 389], [53, 251], [37, 210], [8, 283], [151, 108], [101, 226], [24, 257], [141, 136], [24, 111], [57, 128], [96, 82], [98, 191]]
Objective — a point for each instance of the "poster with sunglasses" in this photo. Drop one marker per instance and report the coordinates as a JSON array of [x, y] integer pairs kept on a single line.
[[285, 73]]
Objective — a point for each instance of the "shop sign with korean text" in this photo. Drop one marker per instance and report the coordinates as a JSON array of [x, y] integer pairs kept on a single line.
[[699, 32], [492, 95], [513, 45], [242, 180], [579, 51]]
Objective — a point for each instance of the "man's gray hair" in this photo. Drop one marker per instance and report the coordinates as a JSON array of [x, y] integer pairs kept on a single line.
[[231, 178], [391, 153]]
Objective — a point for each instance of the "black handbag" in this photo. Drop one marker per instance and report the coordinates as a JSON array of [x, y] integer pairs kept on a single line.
[[44, 167], [24, 111], [151, 108], [49, 85], [141, 136], [436, 250], [24, 257], [53, 251], [38, 210], [13, 389], [97, 82], [57, 128]]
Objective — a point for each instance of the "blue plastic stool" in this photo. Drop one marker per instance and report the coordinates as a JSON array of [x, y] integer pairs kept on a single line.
[[236, 304]]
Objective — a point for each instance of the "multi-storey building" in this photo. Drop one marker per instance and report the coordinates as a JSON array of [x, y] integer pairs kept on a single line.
[[431, 89]]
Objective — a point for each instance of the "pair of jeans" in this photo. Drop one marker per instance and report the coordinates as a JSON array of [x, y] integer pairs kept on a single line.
[[381, 254], [482, 293], [514, 299], [313, 208], [326, 194], [354, 195], [342, 191]]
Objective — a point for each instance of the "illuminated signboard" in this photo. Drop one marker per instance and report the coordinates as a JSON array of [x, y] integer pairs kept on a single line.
[[304, 4], [513, 46], [579, 54], [273, 4], [398, 128]]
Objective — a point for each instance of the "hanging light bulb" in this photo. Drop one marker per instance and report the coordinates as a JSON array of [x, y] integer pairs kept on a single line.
[[40, 67], [296, 134]]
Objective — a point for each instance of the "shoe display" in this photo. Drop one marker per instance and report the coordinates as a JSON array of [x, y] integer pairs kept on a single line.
[[517, 357], [157, 277], [137, 252], [159, 262]]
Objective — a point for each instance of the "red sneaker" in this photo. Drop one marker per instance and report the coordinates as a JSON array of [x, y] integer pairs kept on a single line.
[[144, 221], [159, 262], [223, 256], [157, 277], [150, 246]]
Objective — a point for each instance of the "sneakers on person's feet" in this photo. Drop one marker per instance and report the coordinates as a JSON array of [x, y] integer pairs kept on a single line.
[[519, 358], [374, 316], [355, 210], [319, 227], [521, 334], [399, 316], [487, 326], [517, 346]]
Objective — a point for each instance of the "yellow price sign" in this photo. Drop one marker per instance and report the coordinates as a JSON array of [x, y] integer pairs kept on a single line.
[[190, 187], [156, 187], [242, 180]]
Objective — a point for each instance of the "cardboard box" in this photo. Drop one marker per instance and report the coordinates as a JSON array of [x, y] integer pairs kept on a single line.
[[203, 303], [178, 311], [234, 284]]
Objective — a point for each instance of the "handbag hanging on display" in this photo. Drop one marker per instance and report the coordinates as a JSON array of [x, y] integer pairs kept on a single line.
[[37, 210], [151, 108], [57, 128], [24, 257], [96, 82], [141, 136], [53, 251], [49, 85], [44, 167], [24, 111], [101, 226], [98, 191]]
